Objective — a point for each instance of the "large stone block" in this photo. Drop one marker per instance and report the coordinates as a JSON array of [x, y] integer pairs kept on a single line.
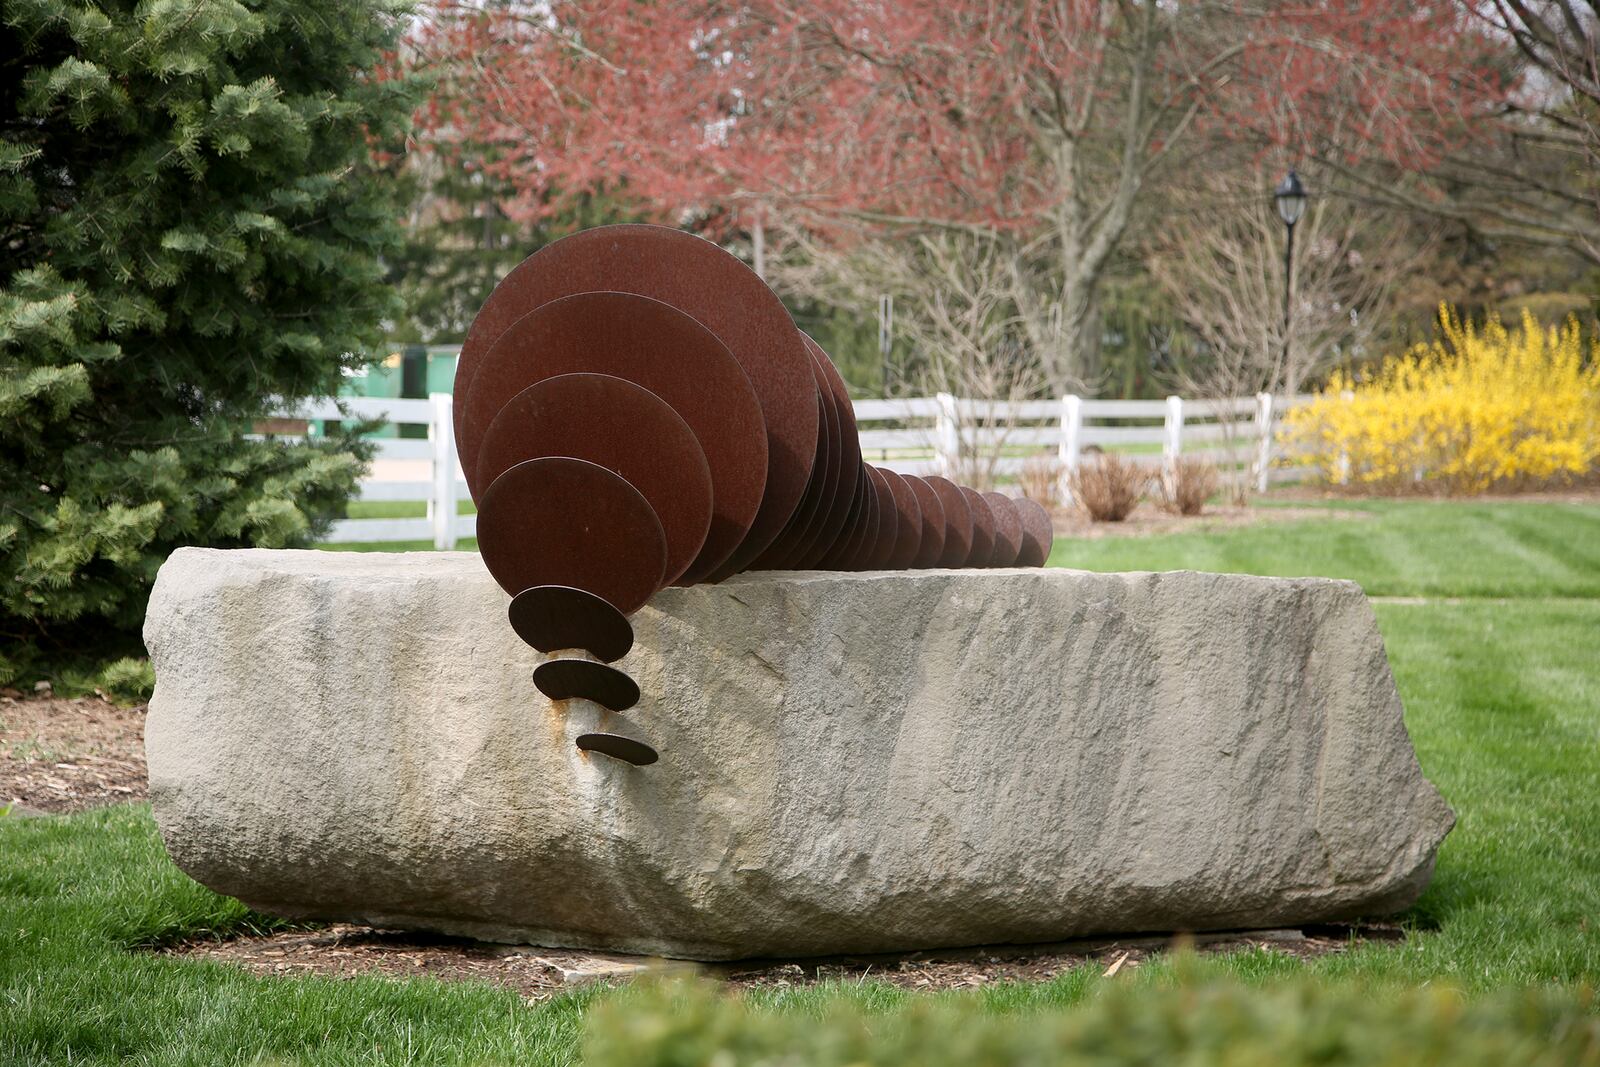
[[849, 762]]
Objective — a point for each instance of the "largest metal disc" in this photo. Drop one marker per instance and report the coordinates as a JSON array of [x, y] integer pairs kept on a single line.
[[561, 521], [651, 344], [717, 290], [621, 426]]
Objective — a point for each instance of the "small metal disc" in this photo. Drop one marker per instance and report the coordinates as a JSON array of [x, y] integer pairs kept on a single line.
[[562, 521], [1038, 534], [865, 532], [833, 555], [824, 475], [554, 617], [908, 525], [931, 547], [826, 533], [565, 679], [876, 556], [626, 429], [1007, 530], [616, 746], [865, 526], [957, 522], [982, 529], [716, 289], [653, 345]]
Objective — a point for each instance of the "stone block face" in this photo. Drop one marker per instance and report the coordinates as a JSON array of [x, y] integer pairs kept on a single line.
[[849, 762]]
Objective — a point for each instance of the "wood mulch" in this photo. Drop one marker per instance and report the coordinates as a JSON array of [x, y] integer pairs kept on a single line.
[[539, 973], [60, 756]]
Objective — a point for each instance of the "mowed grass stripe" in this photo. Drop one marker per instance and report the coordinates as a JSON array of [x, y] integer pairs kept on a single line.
[[1503, 704], [1405, 548]]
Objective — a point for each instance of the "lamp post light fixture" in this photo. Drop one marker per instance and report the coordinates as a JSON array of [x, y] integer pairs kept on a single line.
[[1291, 197]]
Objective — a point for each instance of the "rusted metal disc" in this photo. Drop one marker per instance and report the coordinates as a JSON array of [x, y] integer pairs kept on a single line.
[[833, 521], [565, 679], [616, 746], [621, 426], [858, 550], [931, 546], [824, 475], [652, 345], [908, 524], [563, 521], [554, 617], [1007, 530], [982, 529], [835, 555], [1038, 534], [713, 287], [877, 557], [957, 522]]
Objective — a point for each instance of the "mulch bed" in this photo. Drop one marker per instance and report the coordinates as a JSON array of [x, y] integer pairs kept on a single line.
[[539, 973], [60, 756]]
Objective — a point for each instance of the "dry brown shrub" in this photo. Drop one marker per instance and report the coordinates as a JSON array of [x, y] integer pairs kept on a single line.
[[1108, 487], [1187, 485], [1040, 479]]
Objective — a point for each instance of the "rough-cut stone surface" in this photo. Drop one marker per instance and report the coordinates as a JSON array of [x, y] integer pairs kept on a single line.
[[849, 762]]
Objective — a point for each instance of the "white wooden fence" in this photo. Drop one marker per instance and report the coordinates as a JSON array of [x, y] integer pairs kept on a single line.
[[442, 489], [916, 435]]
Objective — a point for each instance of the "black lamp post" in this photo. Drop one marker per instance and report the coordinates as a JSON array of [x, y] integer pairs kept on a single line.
[[1291, 197]]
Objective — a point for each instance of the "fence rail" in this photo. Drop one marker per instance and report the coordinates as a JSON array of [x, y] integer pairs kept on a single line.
[[941, 434]]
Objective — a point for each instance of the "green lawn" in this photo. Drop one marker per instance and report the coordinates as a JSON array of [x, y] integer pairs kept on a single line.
[[1502, 698], [1393, 548], [466, 544], [399, 509]]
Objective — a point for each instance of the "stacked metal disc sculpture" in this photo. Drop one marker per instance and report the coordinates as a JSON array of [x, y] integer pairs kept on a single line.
[[634, 408]]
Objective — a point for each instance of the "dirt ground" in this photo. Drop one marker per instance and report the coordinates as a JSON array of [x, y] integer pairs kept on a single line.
[[67, 755], [537, 973]]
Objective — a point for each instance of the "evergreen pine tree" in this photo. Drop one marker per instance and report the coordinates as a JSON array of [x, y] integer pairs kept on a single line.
[[191, 229]]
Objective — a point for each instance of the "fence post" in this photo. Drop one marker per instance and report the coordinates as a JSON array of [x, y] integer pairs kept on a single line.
[[442, 501], [947, 436], [1172, 439], [1263, 439], [1071, 436]]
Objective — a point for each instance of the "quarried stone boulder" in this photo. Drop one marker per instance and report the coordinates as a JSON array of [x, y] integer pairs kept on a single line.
[[849, 762]]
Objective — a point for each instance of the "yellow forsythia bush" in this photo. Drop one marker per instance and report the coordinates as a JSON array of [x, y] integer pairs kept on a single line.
[[1475, 409]]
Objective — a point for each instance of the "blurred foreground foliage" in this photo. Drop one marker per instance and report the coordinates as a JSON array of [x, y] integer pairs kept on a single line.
[[1197, 1022]]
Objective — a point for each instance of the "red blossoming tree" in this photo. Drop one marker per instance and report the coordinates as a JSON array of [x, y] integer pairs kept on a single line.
[[1032, 128]]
